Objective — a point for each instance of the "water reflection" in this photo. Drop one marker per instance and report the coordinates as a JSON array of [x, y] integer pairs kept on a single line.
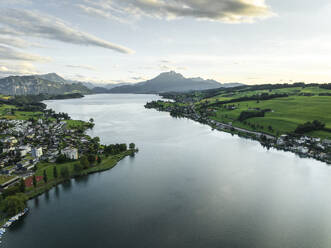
[[66, 186], [36, 202], [46, 196], [57, 192], [82, 180]]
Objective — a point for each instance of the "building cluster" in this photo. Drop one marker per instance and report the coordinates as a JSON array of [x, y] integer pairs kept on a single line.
[[24, 143], [306, 146]]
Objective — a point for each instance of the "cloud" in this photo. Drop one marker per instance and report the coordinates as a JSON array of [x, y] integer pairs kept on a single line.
[[16, 42], [7, 53], [85, 67], [230, 11], [34, 24], [138, 78], [23, 68]]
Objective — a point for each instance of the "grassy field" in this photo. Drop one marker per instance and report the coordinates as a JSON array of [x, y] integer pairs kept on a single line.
[[106, 164], [6, 112], [287, 112], [4, 178]]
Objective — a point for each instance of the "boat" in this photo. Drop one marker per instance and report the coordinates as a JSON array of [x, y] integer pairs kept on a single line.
[[11, 221]]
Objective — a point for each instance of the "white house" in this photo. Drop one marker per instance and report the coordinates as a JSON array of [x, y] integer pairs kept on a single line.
[[69, 152], [327, 142], [37, 152], [24, 150], [303, 150]]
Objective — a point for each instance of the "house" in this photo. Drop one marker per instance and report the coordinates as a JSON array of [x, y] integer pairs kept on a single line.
[[24, 150], [281, 140], [10, 141], [69, 152], [303, 150], [37, 152], [327, 142]]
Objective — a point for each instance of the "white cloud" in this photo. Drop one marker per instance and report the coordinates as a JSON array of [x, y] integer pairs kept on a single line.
[[231, 11], [85, 67], [8, 53], [16, 42], [34, 24], [23, 68]]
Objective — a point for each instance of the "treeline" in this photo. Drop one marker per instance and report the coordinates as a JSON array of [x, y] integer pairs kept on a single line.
[[246, 88], [309, 127], [26, 103], [114, 149], [262, 97], [325, 86], [244, 115], [34, 103]]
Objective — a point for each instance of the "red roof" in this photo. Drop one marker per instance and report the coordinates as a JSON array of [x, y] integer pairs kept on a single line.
[[29, 181]]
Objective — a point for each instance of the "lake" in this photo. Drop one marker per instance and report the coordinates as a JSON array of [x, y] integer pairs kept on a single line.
[[188, 186]]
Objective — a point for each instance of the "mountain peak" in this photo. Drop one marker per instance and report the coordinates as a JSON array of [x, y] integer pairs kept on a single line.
[[52, 77], [170, 75]]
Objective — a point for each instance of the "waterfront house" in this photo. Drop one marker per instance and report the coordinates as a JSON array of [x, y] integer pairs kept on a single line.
[[37, 152], [69, 152]]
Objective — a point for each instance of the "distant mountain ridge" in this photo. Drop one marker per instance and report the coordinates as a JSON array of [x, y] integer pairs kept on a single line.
[[51, 84], [170, 82]]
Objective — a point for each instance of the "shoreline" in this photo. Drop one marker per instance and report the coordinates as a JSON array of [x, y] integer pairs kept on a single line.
[[266, 140], [72, 134]]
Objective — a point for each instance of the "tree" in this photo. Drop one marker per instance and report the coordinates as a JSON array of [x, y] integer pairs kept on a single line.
[[61, 159], [91, 120], [65, 172], [45, 177], [34, 180], [78, 167], [99, 160], [14, 204], [55, 174], [132, 146], [91, 158], [22, 185], [84, 162]]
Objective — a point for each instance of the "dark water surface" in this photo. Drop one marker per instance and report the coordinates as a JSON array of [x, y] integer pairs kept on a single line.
[[187, 187]]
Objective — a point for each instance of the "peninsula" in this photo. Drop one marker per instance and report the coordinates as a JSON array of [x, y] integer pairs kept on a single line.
[[41, 148]]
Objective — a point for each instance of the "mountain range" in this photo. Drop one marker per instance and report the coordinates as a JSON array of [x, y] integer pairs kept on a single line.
[[39, 84], [54, 84], [171, 82]]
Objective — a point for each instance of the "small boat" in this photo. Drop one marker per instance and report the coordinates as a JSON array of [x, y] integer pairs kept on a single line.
[[11, 221]]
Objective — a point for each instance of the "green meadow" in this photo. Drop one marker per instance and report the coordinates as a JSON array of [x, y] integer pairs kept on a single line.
[[287, 112]]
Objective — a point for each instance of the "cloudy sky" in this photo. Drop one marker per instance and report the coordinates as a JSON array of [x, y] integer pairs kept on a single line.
[[249, 41]]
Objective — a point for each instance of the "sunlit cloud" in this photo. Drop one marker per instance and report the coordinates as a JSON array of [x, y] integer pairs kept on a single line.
[[230, 11], [7, 53], [34, 24]]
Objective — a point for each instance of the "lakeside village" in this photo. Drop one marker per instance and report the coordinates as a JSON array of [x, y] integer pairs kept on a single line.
[[41, 152], [27, 142], [302, 145]]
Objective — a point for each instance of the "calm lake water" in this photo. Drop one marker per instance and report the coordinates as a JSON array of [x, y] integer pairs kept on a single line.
[[188, 186]]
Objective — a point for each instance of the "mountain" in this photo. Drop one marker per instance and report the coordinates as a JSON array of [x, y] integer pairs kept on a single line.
[[169, 82], [53, 77], [37, 84], [99, 85]]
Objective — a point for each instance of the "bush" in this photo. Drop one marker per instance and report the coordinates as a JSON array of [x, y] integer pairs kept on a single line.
[[309, 126], [65, 172], [14, 204], [84, 162], [78, 167], [61, 159]]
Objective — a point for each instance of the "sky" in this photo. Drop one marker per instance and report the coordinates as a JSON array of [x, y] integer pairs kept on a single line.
[[112, 41]]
